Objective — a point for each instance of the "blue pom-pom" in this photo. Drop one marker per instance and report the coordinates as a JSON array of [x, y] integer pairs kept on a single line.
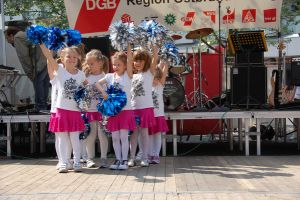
[[115, 102], [37, 34], [82, 97], [71, 37], [137, 120], [170, 52], [55, 39], [83, 135]]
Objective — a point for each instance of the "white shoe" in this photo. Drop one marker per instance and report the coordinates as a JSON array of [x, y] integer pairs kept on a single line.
[[115, 165], [69, 166], [90, 164], [139, 156], [57, 166], [103, 163], [144, 163], [124, 165], [77, 167], [131, 163], [63, 168]]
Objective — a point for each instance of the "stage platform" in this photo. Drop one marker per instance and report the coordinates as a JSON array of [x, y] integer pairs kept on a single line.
[[249, 117], [175, 178]]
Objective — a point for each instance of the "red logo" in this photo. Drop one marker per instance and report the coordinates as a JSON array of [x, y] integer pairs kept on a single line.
[[249, 15], [230, 17], [96, 15], [270, 15], [188, 19], [211, 14], [126, 18]]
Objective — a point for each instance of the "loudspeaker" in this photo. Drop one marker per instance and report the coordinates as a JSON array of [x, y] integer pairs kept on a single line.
[[255, 58], [100, 43], [253, 76], [295, 71]]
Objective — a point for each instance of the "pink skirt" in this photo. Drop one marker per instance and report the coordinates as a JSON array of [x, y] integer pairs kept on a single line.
[[124, 120], [67, 121], [160, 126], [93, 116], [146, 116], [52, 122]]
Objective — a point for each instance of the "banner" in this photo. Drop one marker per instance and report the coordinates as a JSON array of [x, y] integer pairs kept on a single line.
[[93, 17]]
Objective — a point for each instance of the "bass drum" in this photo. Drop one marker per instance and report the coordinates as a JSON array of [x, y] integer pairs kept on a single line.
[[173, 94]]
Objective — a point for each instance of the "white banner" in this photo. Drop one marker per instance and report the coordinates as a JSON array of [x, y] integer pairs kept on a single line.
[[93, 17]]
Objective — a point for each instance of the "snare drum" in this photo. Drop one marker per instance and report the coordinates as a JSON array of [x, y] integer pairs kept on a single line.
[[173, 94]]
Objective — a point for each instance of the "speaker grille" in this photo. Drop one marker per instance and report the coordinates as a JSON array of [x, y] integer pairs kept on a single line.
[[257, 76]]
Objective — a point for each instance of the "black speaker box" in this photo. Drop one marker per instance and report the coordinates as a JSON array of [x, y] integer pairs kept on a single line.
[[295, 71], [255, 58], [254, 76], [100, 43]]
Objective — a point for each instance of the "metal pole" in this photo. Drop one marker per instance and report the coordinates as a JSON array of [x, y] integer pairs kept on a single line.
[[220, 68], [3, 36], [200, 73]]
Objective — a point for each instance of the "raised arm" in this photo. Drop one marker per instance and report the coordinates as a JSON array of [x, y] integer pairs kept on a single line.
[[99, 87], [129, 61], [165, 68], [51, 63], [154, 59]]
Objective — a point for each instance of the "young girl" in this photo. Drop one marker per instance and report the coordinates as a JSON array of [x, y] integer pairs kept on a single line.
[[160, 126], [68, 121], [142, 102], [95, 67], [122, 123]]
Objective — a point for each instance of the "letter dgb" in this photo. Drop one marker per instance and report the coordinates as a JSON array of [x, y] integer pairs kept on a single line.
[[100, 4]]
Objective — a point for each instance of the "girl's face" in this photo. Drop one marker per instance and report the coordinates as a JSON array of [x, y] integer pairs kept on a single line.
[[139, 65], [94, 64], [71, 59], [118, 66]]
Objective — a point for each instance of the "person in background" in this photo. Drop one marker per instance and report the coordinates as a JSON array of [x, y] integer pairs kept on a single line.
[[34, 64]]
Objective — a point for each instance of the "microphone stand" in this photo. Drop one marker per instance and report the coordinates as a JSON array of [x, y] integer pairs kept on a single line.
[[220, 108]]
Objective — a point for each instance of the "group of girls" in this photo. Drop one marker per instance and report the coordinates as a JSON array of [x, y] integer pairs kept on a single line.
[[143, 90]]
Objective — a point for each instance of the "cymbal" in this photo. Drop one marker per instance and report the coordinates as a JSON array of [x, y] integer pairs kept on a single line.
[[176, 37], [199, 33]]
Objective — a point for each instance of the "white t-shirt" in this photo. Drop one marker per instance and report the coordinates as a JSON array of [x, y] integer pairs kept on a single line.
[[158, 101], [141, 90], [297, 94], [92, 79], [124, 82], [67, 84], [54, 93]]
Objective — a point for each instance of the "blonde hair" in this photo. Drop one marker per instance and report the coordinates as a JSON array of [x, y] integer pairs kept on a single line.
[[73, 49], [120, 56], [95, 53], [142, 54]]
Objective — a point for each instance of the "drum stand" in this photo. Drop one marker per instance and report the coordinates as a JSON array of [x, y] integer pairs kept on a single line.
[[200, 107]]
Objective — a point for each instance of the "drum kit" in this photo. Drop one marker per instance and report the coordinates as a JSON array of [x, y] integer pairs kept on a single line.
[[174, 94]]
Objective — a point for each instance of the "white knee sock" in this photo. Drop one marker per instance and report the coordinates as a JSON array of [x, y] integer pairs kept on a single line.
[[133, 143], [144, 143], [124, 144], [74, 136], [90, 140], [156, 144], [117, 144], [103, 143]]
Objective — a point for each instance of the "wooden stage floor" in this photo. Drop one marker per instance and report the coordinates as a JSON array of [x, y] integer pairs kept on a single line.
[[195, 177]]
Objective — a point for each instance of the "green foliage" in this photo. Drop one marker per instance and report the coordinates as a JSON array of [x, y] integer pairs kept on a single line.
[[44, 12]]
